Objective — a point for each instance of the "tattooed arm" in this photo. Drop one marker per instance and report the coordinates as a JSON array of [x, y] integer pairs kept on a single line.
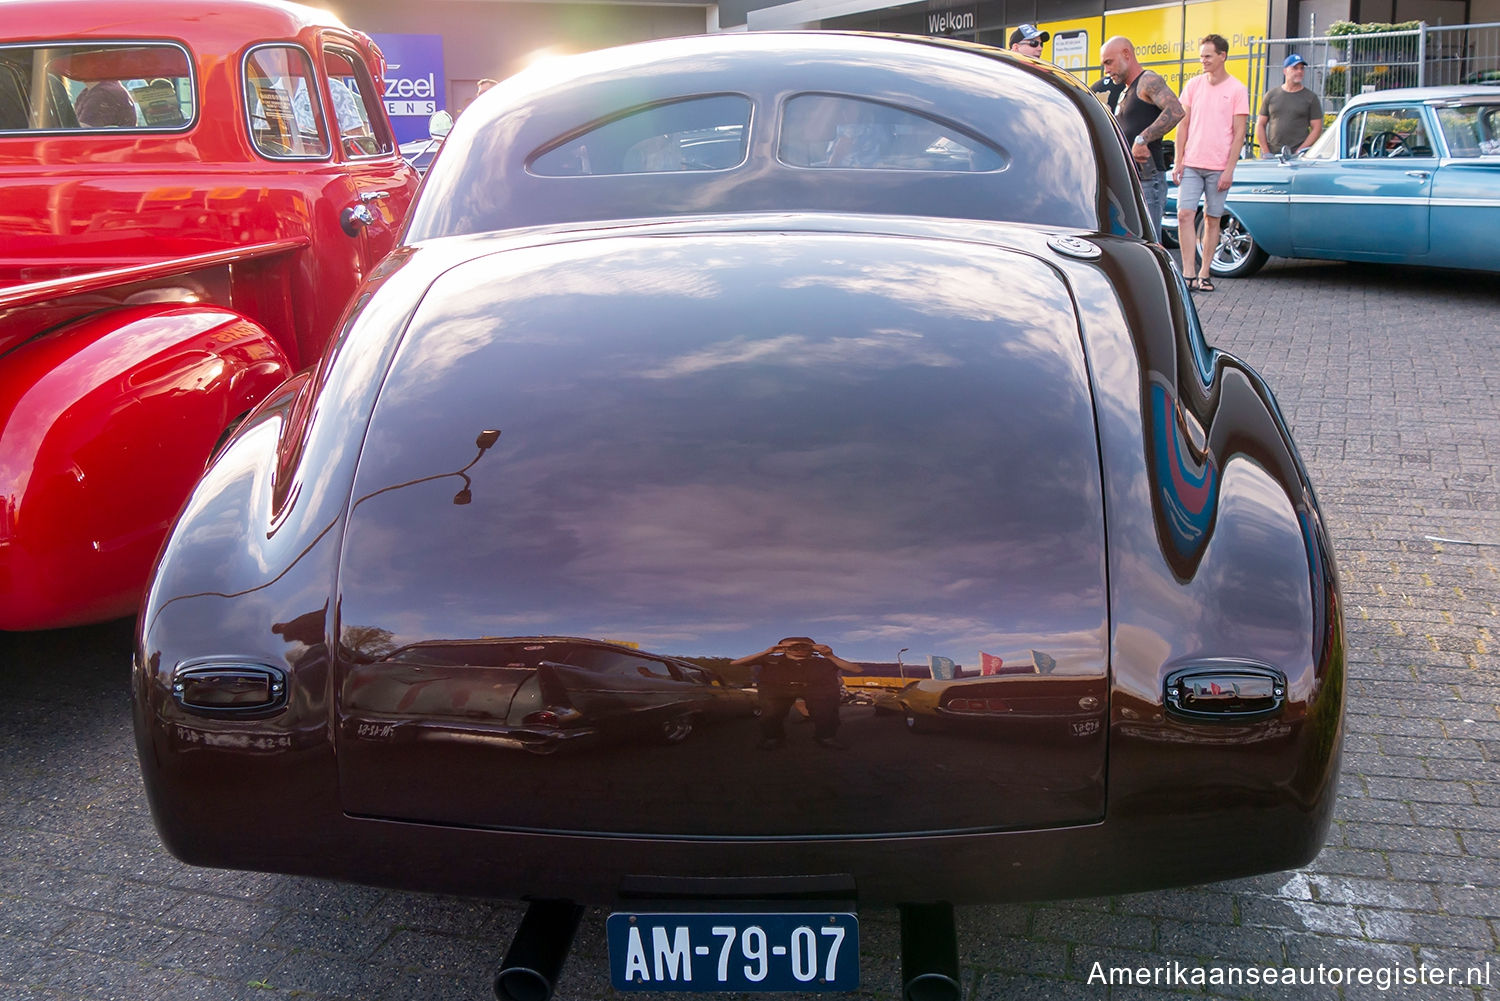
[[1154, 89]]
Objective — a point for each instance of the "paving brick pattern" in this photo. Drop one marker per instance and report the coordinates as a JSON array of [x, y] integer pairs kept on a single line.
[[1390, 382]]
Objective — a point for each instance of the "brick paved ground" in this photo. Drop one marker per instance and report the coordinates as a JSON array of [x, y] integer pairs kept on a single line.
[[1389, 380]]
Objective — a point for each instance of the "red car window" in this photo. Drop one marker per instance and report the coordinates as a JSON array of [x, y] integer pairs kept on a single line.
[[285, 123]]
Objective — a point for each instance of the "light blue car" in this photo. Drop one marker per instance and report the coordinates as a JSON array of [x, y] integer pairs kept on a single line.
[[1409, 176]]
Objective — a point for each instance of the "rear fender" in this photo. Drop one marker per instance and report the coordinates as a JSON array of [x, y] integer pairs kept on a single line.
[[105, 425]]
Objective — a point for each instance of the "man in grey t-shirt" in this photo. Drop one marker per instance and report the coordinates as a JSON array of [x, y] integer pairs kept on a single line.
[[1291, 116]]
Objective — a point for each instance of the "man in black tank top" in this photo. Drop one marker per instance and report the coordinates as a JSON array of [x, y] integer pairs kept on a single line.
[[1147, 111]]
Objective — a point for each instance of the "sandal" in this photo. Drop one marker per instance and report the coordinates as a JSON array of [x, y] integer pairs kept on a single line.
[[1192, 284], [1205, 284]]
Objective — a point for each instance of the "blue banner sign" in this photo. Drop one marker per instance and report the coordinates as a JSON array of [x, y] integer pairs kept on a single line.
[[414, 82]]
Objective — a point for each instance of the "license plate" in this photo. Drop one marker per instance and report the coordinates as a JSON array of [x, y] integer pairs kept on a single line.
[[790, 951]]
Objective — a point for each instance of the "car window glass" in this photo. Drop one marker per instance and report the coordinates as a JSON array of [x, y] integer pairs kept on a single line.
[[361, 128], [822, 130], [1388, 132], [274, 75], [704, 133], [1473, 130], [1325, 148], [617, 663], [66, 88]]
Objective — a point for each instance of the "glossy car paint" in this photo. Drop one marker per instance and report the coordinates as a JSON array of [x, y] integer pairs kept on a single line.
[[94, 404], [1438, 210], [267, 236], [649, 456], [883, 430]]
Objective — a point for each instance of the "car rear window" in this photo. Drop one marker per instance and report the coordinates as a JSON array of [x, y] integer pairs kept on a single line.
[[99, 86], [702, 133], [824, 130]]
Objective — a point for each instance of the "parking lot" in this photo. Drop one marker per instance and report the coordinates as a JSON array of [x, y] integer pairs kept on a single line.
[[1389, 380]]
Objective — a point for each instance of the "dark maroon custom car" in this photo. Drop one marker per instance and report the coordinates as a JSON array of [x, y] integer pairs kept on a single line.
[[710, 371]]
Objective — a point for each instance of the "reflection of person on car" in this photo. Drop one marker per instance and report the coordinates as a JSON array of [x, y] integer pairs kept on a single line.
[[105, 104], [797, 668]]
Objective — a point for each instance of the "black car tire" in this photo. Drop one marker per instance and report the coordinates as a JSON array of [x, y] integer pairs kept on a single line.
[[916, 724], [1238, 255]]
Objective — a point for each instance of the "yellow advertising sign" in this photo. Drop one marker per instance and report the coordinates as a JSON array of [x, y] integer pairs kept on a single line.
[[1074, 44], [1237, 20], [1156, 32], [1165, 37]]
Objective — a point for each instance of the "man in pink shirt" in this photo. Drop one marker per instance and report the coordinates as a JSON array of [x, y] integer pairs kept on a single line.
[[1208, 146]]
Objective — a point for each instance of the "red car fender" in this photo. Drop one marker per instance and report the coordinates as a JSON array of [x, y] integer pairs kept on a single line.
[[105, 425]]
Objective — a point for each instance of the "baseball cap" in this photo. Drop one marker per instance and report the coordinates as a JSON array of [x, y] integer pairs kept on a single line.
[[1030, 33], [1292, 60]]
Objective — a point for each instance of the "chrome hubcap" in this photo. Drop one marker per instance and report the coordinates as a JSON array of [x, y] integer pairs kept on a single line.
[[1235, 244]]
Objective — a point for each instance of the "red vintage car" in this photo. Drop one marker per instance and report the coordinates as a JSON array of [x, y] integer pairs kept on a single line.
[[189, 197]]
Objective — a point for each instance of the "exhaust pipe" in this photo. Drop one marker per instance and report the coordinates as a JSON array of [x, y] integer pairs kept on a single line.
[[535, 957], [929, 953]]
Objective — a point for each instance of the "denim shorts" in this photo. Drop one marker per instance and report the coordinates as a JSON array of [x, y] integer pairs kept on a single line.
[[1202, 184]]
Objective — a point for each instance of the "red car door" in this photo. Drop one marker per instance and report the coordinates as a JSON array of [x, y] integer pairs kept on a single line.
[[380, 184]]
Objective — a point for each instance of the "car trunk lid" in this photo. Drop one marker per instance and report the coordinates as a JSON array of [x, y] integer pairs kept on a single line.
[[708, 443]]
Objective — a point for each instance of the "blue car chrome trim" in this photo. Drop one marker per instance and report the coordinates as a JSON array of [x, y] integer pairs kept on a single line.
[[1359, 199]]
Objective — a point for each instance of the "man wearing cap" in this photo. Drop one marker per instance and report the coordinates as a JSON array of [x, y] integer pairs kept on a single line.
[[798, 668], [1291, 116], [1027, 40]]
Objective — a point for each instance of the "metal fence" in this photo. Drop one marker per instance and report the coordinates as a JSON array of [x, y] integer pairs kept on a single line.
[[1341, 66]]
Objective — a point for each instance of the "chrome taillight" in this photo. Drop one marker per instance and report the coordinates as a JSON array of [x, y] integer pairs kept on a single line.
[[553, 716], [1225, 691], [229, 688]]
